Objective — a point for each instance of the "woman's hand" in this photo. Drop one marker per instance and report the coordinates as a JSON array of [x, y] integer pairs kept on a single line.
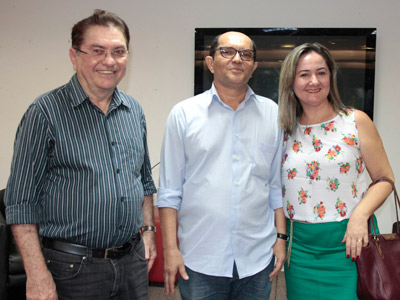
[[356, 235]]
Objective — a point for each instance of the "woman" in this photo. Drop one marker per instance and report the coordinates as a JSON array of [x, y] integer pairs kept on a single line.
[[327, 150]]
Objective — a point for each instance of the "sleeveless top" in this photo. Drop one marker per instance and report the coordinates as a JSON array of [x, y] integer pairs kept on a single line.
[[323, 172]]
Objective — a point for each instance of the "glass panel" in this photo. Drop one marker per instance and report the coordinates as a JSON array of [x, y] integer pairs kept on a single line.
[[353, 49]]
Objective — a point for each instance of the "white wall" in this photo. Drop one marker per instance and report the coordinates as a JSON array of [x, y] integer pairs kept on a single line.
[[35, 38]]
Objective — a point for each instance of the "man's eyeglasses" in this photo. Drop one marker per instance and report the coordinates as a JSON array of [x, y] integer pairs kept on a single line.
[[100, 53], [230, 52]]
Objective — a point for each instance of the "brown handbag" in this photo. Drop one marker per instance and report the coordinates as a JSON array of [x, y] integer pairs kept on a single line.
[[379, 263]]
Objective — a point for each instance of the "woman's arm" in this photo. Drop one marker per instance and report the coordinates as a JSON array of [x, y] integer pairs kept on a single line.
[[377, 165]]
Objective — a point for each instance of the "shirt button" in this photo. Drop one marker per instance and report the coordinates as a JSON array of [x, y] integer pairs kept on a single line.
[[118, 170], [122, 199], [236, 157], [237, 134], [113, 143], [237, 183], [233, 232], [235, 207]]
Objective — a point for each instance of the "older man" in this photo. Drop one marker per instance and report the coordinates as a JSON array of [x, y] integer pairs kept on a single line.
[[81, 171], [220, 169]]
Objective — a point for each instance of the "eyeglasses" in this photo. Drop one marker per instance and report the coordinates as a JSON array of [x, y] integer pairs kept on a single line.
[[100, 53], [230, 52]]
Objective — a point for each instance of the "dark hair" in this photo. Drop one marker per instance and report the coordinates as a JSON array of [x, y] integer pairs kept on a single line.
[[99, 18], [215, 44]]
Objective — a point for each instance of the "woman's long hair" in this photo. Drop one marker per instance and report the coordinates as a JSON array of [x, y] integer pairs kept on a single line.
[[289, 106]]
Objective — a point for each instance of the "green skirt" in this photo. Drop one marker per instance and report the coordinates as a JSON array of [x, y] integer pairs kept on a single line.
[[319, 268]]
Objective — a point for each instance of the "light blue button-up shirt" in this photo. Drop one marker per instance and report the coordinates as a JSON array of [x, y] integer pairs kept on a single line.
[[220, 168]]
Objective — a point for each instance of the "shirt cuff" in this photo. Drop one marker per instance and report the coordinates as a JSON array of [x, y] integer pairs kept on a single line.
[[21, 214], [169, 198], [149, 188], [275, 198]]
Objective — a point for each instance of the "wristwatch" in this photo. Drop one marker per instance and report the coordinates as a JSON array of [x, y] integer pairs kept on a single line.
[[148, 228], [282, 236]]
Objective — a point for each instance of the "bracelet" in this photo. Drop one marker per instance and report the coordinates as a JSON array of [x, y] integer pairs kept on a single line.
[[148, 228], [282, 236]]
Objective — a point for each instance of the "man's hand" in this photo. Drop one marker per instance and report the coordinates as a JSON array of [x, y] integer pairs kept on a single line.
[[280, 255], [39, 281], [279, 248], [173, 260], [173, 263], [41, 287], [149, 239]]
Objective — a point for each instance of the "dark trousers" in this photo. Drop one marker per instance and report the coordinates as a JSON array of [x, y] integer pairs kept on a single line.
[[205, 287], [83, 277]]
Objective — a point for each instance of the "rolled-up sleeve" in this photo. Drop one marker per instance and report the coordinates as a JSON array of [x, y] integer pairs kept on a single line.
[[28, 168], [275, 195], [147, 179], [172, 163]]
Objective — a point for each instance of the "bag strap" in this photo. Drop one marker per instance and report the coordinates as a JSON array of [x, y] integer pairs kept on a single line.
[[396, 202]]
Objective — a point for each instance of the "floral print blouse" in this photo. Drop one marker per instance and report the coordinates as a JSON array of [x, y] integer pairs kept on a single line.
[[323, 172]]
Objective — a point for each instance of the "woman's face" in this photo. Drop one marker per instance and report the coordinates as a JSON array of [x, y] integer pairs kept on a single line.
[[312, 80]]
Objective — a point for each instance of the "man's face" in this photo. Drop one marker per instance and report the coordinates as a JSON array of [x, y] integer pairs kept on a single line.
[[100, 75], [232, 72]]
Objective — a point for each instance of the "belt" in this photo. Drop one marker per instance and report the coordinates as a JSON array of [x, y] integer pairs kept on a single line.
[[76, 249]]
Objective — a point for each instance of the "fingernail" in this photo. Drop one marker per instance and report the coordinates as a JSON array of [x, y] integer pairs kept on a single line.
[[358, 256], [348, 256], [353, 259]]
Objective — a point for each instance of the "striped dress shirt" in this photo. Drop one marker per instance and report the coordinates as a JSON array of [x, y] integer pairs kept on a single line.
[[79, 173]]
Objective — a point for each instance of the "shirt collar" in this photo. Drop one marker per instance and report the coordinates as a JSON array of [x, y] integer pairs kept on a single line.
[[78, 94], [250, 95]]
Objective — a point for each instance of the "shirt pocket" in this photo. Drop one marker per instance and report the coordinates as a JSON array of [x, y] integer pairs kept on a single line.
[[262, 155], [132, 154]]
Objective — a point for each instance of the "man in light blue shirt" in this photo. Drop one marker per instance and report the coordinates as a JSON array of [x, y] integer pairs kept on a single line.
[[220, 175]]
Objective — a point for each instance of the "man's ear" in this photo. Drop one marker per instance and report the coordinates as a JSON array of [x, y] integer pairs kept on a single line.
[[254, 67], [210, 63], [72, 57]]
